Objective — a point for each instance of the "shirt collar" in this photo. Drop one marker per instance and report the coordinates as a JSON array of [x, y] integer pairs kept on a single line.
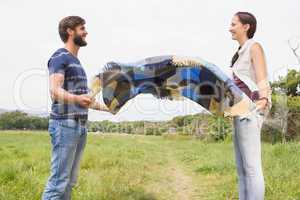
[[245, 45]]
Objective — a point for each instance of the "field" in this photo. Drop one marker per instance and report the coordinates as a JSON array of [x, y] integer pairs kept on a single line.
[[134, 167]]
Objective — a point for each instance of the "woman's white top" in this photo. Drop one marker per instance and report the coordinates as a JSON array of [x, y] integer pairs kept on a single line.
[[243, 68]]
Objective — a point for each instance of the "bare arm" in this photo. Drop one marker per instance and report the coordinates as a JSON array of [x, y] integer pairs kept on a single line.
[[59, 94], [260, 68]]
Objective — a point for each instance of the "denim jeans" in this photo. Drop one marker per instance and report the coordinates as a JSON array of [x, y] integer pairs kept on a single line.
[[247, 146], [68, 138]]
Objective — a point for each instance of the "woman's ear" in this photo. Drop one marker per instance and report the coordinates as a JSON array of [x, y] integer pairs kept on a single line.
[[246, 27]]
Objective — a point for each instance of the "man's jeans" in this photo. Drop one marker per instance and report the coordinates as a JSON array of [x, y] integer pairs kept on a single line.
[[68, 138]]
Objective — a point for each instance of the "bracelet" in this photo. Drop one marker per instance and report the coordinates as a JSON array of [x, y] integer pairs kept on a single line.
[[262, 98]]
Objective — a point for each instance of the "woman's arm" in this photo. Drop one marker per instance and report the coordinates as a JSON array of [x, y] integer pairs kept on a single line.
[[259, 63]]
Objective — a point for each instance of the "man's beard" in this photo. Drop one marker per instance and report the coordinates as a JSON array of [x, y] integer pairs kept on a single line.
[[79, 41]]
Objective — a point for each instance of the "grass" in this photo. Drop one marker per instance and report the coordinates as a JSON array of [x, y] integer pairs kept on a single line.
[[132, 167]]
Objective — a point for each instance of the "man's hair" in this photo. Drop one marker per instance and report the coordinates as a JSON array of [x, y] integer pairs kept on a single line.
[[69, 22]]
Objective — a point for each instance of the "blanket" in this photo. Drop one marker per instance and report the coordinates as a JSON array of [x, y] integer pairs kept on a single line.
[[171, 77]]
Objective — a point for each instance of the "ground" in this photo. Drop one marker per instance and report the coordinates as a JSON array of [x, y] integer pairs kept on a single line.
[[132, 167]]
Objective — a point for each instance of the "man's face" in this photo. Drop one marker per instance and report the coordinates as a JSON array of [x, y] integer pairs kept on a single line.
[[78, 35]]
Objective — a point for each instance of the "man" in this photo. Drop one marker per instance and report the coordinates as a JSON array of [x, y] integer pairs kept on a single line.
[[67, 124]]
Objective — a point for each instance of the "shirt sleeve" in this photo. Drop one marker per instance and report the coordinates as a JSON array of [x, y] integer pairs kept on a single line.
[[57, 65]]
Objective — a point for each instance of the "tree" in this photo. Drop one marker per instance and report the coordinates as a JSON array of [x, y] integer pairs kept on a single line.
[[289, 84], [20, 120]]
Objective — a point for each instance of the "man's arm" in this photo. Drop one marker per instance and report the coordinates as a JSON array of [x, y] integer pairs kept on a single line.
[[59, 94]]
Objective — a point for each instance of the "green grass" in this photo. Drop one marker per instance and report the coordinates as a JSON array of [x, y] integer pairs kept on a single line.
[[120, 167]]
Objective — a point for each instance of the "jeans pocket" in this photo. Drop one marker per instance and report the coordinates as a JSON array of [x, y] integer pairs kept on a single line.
[[261, 112], [52, 126], [53, 129], [69, 132], [260, 117], [69, 123]]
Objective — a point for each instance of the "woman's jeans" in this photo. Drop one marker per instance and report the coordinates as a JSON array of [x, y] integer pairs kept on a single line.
[[68, 138], [247, 146]]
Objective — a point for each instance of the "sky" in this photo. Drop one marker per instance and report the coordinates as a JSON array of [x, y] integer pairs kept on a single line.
[[130, 30]]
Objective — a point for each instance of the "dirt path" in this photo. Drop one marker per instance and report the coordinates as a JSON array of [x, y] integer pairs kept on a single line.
[[174, 183], [181, 182], [176, 180]]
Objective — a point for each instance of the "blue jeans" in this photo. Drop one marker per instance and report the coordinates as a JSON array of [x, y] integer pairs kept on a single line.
[[247, 146], [68, 138]]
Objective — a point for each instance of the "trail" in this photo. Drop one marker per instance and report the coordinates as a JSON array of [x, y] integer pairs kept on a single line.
[[181, 182], [174, 180]]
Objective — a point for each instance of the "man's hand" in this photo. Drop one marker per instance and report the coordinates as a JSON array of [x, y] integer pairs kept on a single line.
[[83, 100], [61, 95]]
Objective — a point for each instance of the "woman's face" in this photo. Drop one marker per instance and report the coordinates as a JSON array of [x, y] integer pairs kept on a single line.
[[237, 29]]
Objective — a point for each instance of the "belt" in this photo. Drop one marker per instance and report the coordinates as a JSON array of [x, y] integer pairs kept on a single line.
[[81, 120]]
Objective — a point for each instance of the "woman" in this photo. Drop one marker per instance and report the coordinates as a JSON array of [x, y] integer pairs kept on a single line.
[[250, 75]]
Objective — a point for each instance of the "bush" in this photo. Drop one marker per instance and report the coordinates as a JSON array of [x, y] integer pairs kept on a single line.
[[283, 123]]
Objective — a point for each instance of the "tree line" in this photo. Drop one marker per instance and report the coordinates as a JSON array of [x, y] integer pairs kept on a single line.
[[283, 123]]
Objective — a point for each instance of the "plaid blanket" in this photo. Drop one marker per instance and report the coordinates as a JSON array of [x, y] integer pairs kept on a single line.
[[174, 78]]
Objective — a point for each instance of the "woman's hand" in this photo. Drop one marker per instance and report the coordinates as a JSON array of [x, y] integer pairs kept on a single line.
[[261, 104]]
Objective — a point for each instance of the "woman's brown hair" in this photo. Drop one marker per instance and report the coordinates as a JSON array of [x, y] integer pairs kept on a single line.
[[245, 18]]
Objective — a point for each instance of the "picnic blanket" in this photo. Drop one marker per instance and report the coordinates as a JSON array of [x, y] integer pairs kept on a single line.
[[171, 77]]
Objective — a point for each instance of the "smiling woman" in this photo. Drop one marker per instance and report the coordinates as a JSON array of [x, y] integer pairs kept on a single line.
[[249, 72]]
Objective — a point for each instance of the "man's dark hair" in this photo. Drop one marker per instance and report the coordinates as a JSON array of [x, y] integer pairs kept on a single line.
[[69, 22]]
